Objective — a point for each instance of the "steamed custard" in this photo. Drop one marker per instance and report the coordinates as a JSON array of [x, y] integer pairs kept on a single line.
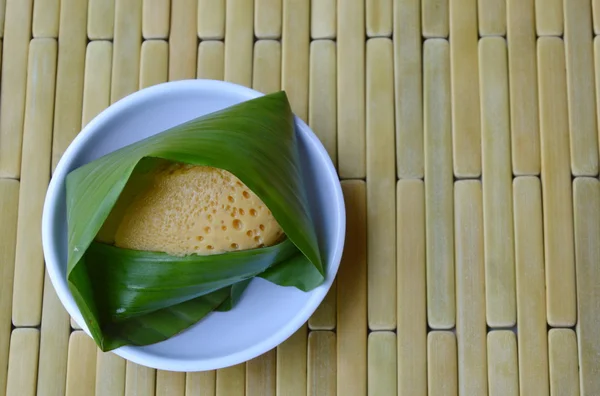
[[196, 209]]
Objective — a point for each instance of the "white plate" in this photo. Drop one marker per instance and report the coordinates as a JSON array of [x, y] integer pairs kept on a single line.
[[267, 314]]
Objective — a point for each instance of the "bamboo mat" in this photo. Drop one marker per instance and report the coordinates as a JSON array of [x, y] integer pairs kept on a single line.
[[466, 135]]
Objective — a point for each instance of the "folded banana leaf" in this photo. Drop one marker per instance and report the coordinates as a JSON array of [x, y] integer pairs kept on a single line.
[[133, 297]]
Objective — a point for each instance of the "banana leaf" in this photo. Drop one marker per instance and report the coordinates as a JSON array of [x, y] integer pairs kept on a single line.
[[131, 297]]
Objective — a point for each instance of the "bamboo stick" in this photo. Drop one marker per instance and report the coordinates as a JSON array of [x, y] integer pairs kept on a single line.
[[291, 364], [260, 374], [9, 201], [267, 19], [441, 363], [379, 18], [492, 17], [556, 184], [586, 197], [295, 42], [140, 380], [408, 89], [201, 383], [17, 31], [381, 186], [231, 380], [22, 362], [101, 19], [154, 63], [579, 56], [110, 374], [35, 175], [238, 42], [503, 370], [562, 350], [524, 122], [183, 42], [382, 367], [412, 314], [211, 19], [441, 304], [96, 82], [70, 74], [549, 17], [531, 299], [352, 296], [351, 89], [155, 19], [434, 17], [470, 296], [127, 45], [323, 19], [211, 60], [81, 371], [45, 18], [501, 307], [321, 363], [170, 383]]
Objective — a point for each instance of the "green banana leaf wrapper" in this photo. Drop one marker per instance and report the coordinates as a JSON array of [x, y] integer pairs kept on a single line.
[[131, 297]]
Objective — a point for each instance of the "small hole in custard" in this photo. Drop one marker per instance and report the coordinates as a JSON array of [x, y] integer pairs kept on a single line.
[[246, 194], [234, 246], [237, 224]]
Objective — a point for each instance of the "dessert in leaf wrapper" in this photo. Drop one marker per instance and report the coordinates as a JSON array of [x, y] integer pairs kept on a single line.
[[168, 229]]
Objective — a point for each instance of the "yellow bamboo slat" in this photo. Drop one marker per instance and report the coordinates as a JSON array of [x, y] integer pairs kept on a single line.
[[579, 57], [324, 316], [2, 15], [201, 383], [211, 19], [291, 364], [22, 362], [441, 364], [35, 175], [295, 42], [126, 53], [170, 383], [556, 184], [586, 204], [239, 40], [549, 17], [101, 19], [352, 295], [524, 124], [379, 18], [183, 43], [382, 363], [322, 363], [9, 201], [70, 74], [322, 106], [441, 307], [411, 300], [266, 71], [81, 371], [155, 18], [323, 19], [54, 341], [351, 89], [110, 374], [470, 289], [564, 376], [267, 19], [501, 307], [231, 380], [17, 31], [492, 17], [45, 18], [96, 82], [211, 60], [503, 371], [434, 17], [139, 380], [260, 374], [596, 15], [408, 89], [531, 300], [381, 175], [466, 125], [154, 63]]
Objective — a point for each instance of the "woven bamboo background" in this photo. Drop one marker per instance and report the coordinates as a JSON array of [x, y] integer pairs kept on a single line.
[[466, 132]]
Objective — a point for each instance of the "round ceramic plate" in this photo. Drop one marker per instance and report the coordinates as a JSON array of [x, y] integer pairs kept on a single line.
[[267, 314]]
